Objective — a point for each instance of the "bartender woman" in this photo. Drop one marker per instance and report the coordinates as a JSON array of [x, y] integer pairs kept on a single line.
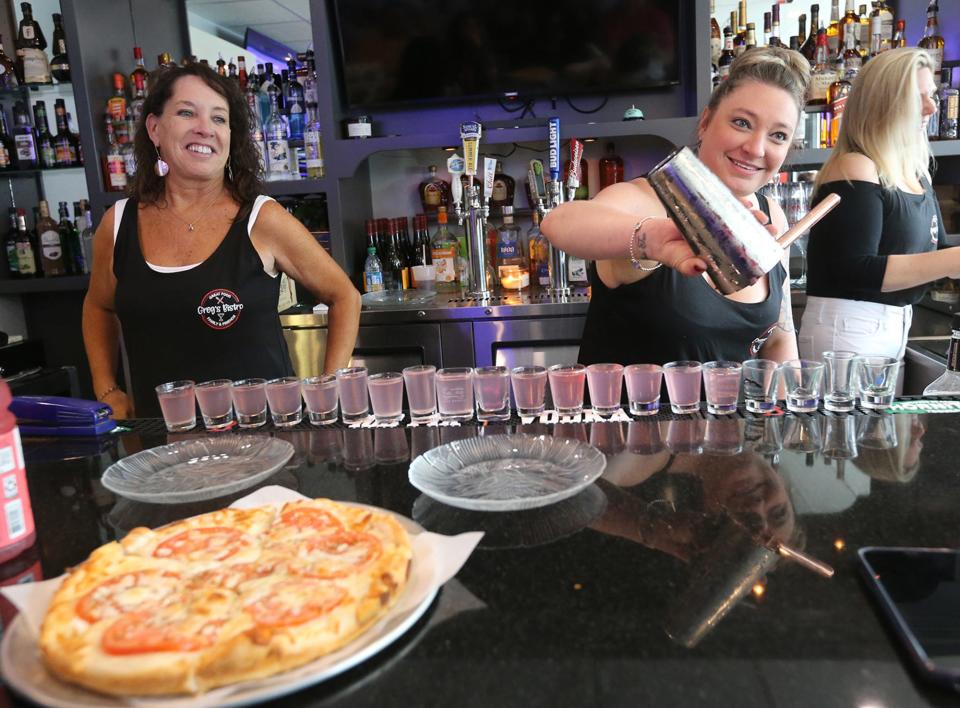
[[642, 312], [188, 268]]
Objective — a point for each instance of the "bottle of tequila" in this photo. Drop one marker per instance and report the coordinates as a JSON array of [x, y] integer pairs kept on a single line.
[[278, 148]]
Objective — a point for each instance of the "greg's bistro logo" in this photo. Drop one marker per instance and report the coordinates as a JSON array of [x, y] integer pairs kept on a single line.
[[220, 308]]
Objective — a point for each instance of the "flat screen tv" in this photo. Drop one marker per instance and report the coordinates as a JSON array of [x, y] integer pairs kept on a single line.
[[395, 52]]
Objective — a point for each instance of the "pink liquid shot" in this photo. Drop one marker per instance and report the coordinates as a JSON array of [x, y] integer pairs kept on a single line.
[[179, 409], [421, 391], [353, 395], [683, 385], [455, 396], [643, 386], [386, 395], [320, 398], [284, 398], [493, 395], [722, 386], [529, 390], [606, 381], [215, 401], [249, 400], [567, 390]]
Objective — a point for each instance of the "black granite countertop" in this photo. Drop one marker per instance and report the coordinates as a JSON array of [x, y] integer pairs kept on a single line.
[[626, 594]]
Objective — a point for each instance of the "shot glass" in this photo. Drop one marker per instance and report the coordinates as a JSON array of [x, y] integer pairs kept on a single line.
[[352, 387], [455, 393], [386, 395], [877, 380], [839, 387], [803, 380], [761, 381], [491, 385], [606, 383], [566, 387], [216, 405], [421, 385], [178, 404], [643, 388], [683, 386], [529, 389], [721, 382], [320, 395], [283, 395], [250, 402]]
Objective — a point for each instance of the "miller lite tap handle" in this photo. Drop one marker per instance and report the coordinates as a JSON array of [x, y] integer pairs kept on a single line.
[[455, 168], [553, 148]]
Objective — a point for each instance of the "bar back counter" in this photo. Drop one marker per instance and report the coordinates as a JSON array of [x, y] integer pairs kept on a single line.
[[649, 587]]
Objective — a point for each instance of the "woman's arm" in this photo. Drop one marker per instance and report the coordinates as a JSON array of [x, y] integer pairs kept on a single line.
[[101, 329], [295, 252]]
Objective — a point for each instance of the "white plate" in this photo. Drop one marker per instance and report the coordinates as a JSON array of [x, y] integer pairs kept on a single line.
[[197, 469], [24, 671], [506, 472]]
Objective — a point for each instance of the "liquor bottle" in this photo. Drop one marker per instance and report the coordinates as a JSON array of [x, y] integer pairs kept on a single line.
[[809, 46], [51, 247], [611, 167], [767, 29], [444, 254], [823, 73], [26, 258], [221, 66], [117, 103], [8, 151], [266, 83], [423, 253], [849, 24], [86, 234], [539, 252], [948, 384], [851, 53], [751, 37], [309, 79], [727, 55], [10, 245], [833, 29], [372, 272], [434, 192], [293, 102], [242, 72], [900, 35], [139, 98], [34, 66], [114, 170], [715, 43], [882, 11], [256, 129], [775, 40], [278, 149], [836, 101], [65, 154], [80, 226], [583, 191], [878, 43], [127, 149], [140, 70], [510, 254], [504, 187], [69, 239], [932, 39], [863, 31], [59, 63], [24, 139], [48, 153], [313, 144], [740, 41], [8, 70]]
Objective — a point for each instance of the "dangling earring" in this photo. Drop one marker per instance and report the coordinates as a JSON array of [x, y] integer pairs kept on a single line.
[[161, 168], [229, 169]]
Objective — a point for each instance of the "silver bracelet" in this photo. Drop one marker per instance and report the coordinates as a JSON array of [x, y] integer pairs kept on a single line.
[[636, 262]]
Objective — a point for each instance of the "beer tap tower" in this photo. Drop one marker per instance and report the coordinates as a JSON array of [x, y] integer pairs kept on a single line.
[[468, 207], [559, 277]]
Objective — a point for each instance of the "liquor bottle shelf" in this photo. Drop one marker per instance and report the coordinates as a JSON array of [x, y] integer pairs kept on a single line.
[[36, 88], [25, 286]]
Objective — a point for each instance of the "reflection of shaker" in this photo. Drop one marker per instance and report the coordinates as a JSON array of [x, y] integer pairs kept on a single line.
[[643, 437], [719, 579], [607, 437]]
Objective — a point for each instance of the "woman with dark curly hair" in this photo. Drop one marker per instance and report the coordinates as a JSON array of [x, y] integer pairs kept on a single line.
[[188, 267]]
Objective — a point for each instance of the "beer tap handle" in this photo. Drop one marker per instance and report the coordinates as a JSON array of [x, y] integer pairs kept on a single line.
[[553, 148], [573, 179], [538, 188], [455, 167], [470, 134], [489, 170]]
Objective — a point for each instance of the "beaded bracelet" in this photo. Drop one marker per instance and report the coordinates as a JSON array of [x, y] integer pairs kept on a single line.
[[108, 392], [633, 237]]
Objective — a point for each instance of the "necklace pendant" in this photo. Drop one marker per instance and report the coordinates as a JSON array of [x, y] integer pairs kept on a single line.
[[189, 227]]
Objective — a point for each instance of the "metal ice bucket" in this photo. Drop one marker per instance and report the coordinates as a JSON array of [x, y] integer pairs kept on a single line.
[[738, 251]]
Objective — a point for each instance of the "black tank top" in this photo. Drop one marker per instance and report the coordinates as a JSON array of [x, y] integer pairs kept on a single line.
[[215, 320], [669, 317]]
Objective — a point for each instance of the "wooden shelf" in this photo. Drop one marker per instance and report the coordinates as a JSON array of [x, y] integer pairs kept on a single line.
[[29, 286]]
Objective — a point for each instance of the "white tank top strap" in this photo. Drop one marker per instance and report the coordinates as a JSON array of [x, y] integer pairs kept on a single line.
[[255, 211], [118, 217]]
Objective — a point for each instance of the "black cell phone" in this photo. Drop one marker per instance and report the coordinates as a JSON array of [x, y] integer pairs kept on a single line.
[[919, 592]]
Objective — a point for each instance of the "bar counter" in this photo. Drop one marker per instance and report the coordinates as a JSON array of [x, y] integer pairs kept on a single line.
[[646, 588]]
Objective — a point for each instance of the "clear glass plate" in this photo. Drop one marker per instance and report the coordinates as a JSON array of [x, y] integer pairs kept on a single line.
[[192, 470], [506, 472], [386, 298]]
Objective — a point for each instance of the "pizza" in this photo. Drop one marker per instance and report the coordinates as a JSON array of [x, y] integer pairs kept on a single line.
[[228, 596]]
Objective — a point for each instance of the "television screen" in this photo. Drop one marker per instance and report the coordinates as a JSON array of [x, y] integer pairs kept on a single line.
[[406, 51]]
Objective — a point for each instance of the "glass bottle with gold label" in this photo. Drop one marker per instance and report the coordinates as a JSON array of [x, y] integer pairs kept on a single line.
[[434, 192], [932, 39]]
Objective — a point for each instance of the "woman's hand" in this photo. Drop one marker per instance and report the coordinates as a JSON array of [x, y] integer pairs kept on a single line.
[[120, 403], [761, 217]]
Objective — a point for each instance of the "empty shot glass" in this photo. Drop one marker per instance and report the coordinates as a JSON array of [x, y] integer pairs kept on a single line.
[[421, 385], [683, 386], [566, 387], [178, 405], [877, 380], [761, 382], [491, 385], [216, 404], [721, 383], [386, 396], [283, 395], [352, 388], [529, 389], [455, 393], [643, 388], [839, 381], [320, 396], [606, 383], [803, 379], [250, 402]]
